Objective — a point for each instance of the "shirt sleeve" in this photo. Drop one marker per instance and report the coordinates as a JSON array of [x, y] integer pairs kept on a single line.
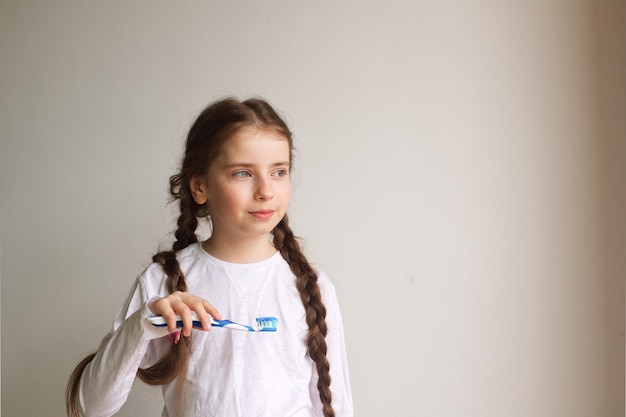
[[108, 378], [340, 378]]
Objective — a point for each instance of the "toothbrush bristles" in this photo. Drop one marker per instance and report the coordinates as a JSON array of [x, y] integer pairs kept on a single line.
[[267, 323]]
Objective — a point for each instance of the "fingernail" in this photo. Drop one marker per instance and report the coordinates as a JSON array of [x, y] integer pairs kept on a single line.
[[174, 337]]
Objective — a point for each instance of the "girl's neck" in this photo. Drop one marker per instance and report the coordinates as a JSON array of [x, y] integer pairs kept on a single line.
[[240, 252]]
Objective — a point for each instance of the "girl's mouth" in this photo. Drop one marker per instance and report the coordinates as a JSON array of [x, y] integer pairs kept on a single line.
[[262, 214]]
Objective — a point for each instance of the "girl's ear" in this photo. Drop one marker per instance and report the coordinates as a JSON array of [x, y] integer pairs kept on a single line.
[[198, 190]]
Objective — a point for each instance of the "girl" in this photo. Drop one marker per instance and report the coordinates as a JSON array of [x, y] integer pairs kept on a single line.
[[235, 172]]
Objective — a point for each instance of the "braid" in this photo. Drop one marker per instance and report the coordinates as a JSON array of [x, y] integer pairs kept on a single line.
[[189, 212], [306, 282], [71, 391], [174, 363]]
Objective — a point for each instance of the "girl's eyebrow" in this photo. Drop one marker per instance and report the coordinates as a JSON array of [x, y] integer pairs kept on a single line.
[[250, 165]]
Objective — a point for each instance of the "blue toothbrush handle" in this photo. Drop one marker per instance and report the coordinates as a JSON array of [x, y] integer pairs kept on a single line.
[[214, 323], [230, 324], [265, 324]]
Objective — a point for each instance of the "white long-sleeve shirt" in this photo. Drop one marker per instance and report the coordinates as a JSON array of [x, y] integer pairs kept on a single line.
[[231, 373]]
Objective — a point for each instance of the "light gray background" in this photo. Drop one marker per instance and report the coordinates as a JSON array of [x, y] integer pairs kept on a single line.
[[460, 176]]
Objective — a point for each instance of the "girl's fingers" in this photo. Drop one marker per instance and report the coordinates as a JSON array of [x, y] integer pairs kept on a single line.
[[170, 319], [204, 310], [182, 304], [211, 310], [204, 317], [185, 316]]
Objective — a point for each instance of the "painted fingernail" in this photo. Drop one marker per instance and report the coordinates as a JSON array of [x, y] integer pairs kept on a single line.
[[174, 337]]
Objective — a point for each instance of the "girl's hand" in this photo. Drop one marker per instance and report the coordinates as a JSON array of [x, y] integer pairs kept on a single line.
[[182, 304]]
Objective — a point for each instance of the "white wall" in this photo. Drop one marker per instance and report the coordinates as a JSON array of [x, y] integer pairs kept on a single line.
[[460, 178]]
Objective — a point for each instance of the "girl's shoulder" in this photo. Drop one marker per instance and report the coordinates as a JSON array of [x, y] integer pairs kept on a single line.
[[326, 286]]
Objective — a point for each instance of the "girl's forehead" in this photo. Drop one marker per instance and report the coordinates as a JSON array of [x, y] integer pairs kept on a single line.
[[255, 143], [252, 132]]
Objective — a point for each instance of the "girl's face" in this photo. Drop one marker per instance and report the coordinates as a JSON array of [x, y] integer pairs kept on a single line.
[[247, 188]]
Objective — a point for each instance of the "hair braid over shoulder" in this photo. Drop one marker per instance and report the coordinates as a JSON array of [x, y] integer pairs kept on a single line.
[[306, 282], [174, 363]]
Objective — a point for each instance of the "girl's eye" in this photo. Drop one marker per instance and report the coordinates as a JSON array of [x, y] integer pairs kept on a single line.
[[242, 174], [280, 172]]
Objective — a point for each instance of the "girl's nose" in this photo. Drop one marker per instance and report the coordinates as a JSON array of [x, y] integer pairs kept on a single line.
[[263, 190]]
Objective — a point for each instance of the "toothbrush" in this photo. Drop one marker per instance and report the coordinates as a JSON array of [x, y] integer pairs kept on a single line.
[[264, 324]]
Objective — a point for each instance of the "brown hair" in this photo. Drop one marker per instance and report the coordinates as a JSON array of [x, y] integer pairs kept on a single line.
[[213, 127]]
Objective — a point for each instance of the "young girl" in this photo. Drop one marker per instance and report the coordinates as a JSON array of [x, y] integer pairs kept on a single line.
[[235, 172]]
